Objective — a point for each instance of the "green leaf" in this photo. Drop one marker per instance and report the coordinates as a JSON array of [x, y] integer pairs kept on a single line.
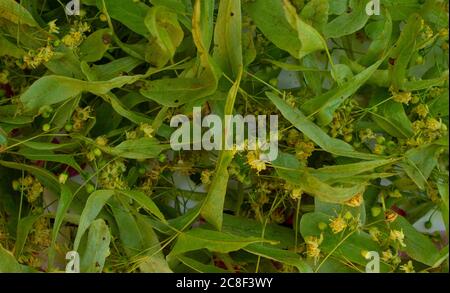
[[417, 85], [140, 149], [132, 17], [9, 114], [282, 256], [439, 106], [53, 89], [315, 133], [97, 248], [380, 33], [174, 92], [228, 38], [45, 155], [145, 201], [3, 137], [9, 49], [166, 32], [391, 116], [347, 245], [203, 24], [198, 266], [65, 63], [418, 246], [241, 226], [96, 45], [212, 208], [325, 105], [401, 9], [402, 52], [65, 200], [23, 229], [315, 13], [443, 191], [338, 7], [94, 205], [198, 238], [153, 260], [46, 146], [139, 240], [419, 163], [9, 264], [314, 186], [351, 21], [114, 68], [277, 30], [310, 39], [294, 67], [16, 13], [122, 110], [348, 170]]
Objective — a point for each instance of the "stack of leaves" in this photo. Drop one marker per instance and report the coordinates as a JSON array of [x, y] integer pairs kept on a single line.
[[86, 165]]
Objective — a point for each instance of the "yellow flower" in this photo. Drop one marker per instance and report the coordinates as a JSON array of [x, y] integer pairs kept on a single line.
[[78, 125], [402, 97], [35, 58], [433, 124], [398, 236], [379, 149], [52, 27], [147, 129], [312, 246], [293, 136], [73, 39], [4, 77], [101, 140], [427, 32], [375, 234], [83, 114], [443, 33], [386, 255], [294, 191], [366, 134], [355, 201], [45, 54], [206, 177], [35, 192], [131, 135], [254, 161], [418, 125], [395, 194], [304, 150], [338, 224], [82, 27], [408, 268], [41, 234], [390, 216], [421, 110]]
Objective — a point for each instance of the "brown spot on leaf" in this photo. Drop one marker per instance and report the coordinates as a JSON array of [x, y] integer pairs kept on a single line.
[[106, 38]]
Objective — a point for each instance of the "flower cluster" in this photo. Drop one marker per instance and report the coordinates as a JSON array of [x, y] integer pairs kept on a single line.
[[312, 246], [79, 118], [343, 122], [144, 130], [112, 176], [29, 186], [34, 58], [76, 34]]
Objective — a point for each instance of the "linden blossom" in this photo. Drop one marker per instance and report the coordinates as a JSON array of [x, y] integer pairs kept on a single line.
[[232, 139]]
